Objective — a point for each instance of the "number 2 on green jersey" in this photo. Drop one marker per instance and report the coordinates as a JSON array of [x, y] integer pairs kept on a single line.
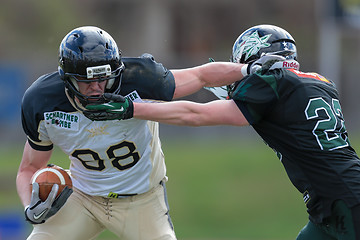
[[330, 132]]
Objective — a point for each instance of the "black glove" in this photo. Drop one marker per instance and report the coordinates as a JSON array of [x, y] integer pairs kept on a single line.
[[38, 212], [118, 107]]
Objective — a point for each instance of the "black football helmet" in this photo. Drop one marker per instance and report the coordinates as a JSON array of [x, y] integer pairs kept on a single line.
[[89, 54], [263, 39]]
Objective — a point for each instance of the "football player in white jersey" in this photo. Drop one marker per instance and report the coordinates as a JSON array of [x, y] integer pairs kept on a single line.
[[117, 167]]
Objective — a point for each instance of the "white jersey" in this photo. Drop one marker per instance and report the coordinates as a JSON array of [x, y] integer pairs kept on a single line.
[[122, 157], [107, 157]]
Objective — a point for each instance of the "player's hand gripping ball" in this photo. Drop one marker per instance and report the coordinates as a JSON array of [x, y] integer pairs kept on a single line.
[[48, 176]]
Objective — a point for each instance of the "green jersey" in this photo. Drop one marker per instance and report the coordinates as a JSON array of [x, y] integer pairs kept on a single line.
[[299, 116]]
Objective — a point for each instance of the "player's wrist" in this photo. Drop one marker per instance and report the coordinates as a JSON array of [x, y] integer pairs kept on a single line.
[[27, 218], [244, 70], [129, 112]]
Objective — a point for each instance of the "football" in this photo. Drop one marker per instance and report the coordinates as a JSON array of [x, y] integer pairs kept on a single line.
[[48, 176]]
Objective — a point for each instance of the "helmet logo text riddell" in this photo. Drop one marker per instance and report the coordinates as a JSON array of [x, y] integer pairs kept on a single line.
[[291, 64], [288, 64]]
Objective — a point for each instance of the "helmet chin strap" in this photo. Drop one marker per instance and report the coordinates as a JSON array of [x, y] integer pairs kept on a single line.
[[74, 102], [111, 81]]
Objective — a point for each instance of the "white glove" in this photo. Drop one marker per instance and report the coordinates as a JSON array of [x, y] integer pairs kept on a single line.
[[264, 63], [38, 212]]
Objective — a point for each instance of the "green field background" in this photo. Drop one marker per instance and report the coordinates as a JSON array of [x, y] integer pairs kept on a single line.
[[217, 189]]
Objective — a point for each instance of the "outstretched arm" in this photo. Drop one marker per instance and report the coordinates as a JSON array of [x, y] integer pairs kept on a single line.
[[213, 74], [217, 74], [220, 112]]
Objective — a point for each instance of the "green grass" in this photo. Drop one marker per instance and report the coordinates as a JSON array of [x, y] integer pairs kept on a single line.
[[216, 189], [231, 190]]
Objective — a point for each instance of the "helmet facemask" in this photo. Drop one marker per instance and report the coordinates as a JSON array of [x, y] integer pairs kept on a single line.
[[95, 74]]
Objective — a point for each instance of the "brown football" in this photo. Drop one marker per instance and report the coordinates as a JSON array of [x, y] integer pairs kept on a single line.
[[46, 177]]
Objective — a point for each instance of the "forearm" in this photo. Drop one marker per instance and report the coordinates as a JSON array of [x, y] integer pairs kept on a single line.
[[23, 186], [215, 74], [221, 73], [219, 112], [175, 113], [31, 161]]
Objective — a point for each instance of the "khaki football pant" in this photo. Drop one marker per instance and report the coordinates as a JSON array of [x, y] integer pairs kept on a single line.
[[83, 217]]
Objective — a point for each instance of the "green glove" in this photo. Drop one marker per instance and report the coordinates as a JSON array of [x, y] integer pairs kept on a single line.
[[117, 107]]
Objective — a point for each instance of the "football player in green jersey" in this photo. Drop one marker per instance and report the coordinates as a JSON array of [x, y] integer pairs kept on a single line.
[[297, 114]]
